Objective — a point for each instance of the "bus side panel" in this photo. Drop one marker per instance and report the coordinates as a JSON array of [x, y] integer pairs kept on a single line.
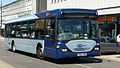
[[6, 43], [27, 45], [33, 45], [20, 44], [50, 50]]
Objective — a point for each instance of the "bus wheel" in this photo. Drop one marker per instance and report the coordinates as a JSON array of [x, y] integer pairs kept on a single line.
[[40, 53], [13, 47]]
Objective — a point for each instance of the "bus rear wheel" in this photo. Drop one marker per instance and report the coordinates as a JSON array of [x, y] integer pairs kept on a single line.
[[40, 53]]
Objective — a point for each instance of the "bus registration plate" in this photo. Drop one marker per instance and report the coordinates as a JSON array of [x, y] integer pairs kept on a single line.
[[82, 54]]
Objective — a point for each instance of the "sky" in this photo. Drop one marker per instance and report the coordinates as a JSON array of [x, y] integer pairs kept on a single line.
[[7, 1]]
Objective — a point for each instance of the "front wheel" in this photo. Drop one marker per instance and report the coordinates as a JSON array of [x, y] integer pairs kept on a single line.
[[40, 53]]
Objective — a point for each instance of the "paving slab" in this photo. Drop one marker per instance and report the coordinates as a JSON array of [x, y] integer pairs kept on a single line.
[[5, 65], [110, 57]]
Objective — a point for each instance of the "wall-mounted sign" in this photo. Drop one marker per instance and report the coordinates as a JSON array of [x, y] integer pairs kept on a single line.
[[107, 19]]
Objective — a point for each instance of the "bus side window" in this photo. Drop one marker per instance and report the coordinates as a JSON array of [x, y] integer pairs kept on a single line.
[[32, 29], [13, 33], [7, 30], [13, 30], [32, 34], [25, 34], [18, 34], [40, 34], [40, 25]]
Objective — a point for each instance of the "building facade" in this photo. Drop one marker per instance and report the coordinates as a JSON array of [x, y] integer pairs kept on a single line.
[[20, 8], [104, 7]]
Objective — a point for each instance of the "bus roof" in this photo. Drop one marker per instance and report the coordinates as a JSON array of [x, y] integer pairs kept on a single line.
[[47, 14], [56, 13], [24, 18]]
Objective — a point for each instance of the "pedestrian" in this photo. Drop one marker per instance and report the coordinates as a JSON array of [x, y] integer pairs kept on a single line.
[[118, 38]]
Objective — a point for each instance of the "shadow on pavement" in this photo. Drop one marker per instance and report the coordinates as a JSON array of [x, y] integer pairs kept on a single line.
[[110, 53], [24, 53], [80, 60]]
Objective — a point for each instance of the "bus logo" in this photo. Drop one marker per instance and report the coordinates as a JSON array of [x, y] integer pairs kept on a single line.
[[80, 45]]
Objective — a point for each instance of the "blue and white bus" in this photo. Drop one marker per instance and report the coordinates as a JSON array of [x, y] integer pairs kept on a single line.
[[60, 33]]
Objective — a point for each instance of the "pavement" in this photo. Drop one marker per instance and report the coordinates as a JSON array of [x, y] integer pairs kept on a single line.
[[31, 61], [110, 57], [5, 65], [2, 63], [1, 38]]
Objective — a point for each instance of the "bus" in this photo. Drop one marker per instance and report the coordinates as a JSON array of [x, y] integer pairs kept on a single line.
[[60, 33]]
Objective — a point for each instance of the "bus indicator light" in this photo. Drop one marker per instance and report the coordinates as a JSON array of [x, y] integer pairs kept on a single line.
[[57, 46]]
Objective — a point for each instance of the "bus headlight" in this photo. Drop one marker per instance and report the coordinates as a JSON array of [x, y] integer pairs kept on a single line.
[[64, 50], [97, 48]]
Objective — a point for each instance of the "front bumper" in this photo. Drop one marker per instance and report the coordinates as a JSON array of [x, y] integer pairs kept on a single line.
[[60, 55]]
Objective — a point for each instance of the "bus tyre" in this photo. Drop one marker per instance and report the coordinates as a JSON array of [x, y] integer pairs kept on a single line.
[[40, 53], [13, 47]]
